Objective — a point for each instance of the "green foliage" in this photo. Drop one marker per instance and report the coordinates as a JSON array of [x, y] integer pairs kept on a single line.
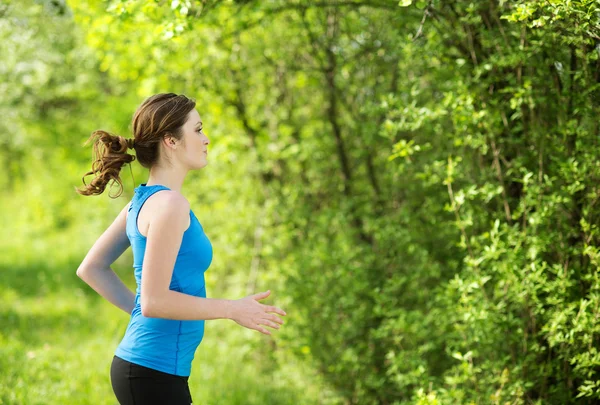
[[518, 104]]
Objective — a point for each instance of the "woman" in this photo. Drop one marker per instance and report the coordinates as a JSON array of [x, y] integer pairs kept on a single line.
[[152, 363]]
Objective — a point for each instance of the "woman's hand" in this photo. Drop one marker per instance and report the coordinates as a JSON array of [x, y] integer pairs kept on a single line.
[[250, 313]]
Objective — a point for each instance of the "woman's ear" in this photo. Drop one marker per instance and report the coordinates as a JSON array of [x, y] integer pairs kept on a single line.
[[169, 141]]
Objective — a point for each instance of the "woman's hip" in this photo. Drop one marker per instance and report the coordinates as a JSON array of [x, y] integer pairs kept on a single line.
[[134, 384]]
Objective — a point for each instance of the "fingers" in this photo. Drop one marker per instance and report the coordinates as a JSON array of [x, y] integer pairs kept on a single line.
[[275, 309], [269, 308], [274, 318], [270, 320], [262, 330], [262, 295], [269, 323]]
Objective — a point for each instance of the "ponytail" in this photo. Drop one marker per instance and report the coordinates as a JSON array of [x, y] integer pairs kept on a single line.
[[109, 156]]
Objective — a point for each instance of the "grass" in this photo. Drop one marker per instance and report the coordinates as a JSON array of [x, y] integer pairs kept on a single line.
[[58, 336]]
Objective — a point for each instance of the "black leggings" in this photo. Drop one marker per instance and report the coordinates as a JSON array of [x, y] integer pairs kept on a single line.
[[138, 385]]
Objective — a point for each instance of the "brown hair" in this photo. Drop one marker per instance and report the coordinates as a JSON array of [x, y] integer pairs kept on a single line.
[[158, 116]]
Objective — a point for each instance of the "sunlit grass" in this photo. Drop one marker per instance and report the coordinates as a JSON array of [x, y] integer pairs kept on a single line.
[[57, 339]]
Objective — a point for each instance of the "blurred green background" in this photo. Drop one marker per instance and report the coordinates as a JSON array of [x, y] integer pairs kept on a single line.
[[417, 183]]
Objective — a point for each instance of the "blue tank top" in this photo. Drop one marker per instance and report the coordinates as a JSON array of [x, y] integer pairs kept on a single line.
[[162, 344]]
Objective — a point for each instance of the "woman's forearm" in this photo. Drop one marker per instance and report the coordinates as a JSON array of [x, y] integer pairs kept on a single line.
[[170, 305], [106, 283], [175, 305]]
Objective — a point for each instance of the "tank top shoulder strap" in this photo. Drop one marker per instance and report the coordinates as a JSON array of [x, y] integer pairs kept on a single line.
[[142, 193]]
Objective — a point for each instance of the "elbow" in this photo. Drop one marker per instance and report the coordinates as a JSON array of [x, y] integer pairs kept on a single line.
[[86, 269], [80, 272], [146, 312], [152, 303], [147, 309]]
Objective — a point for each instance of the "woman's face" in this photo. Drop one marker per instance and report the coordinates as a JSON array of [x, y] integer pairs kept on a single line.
[[194, 153]]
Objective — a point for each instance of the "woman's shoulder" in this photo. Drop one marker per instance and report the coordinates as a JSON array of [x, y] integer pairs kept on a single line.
[[165, 209], [168, 201]]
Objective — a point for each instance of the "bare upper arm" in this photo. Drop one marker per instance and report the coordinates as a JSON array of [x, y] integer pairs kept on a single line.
[[109, 246], [165, 232]]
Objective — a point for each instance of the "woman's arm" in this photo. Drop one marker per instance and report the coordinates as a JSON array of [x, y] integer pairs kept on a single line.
[[165, 233], [109, 285], [95, 268], [178, 305], [175, 305]]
